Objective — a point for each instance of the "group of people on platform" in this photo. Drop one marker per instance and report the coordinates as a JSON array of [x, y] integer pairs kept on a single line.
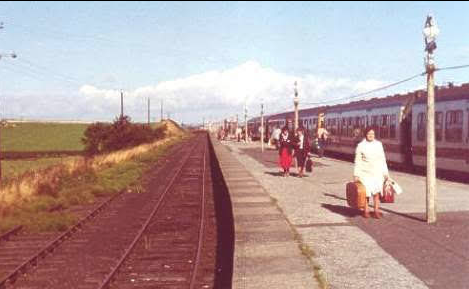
[[293, 145], [370, 162]]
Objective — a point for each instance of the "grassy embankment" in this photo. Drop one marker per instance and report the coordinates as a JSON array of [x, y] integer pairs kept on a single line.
[[35, 140], [40, 200]]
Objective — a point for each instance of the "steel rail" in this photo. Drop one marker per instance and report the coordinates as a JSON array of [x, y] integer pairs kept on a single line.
[[33, 260], [201, 228], [110, 276], [8, 234]]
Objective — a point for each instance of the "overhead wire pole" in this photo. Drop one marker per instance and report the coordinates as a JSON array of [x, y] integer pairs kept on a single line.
[[122, 104], [262, 127], [430, 32], [3, 55], [148, 111], [161, 117], [246, 134]]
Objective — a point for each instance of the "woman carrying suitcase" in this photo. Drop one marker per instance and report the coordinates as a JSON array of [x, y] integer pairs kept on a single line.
[[371, 169]]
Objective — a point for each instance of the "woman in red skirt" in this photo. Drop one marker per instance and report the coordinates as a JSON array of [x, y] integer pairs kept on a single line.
[[285, 151]]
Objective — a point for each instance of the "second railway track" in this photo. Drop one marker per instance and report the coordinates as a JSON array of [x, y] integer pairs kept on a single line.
[[166, 254]]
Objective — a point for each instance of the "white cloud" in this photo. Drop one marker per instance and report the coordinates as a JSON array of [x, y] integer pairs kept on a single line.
[[218, 93], [212, 95]]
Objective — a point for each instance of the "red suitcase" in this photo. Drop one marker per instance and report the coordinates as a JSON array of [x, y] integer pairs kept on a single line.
[[356, 195]]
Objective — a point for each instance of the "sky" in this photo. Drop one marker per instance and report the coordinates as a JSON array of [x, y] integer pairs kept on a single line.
[[208, 60]]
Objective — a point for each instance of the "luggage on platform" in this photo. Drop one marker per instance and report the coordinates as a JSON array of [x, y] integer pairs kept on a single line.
[[356, 195], [390, 188]]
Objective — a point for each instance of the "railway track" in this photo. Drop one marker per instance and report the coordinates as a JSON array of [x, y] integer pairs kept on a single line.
[[156, 238]]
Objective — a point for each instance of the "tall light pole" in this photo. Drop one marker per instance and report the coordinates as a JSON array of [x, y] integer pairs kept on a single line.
[[148, 110], [296, 101], [246, 122], [262, 127], [161, 115], [430, 31], [3, 55], [122, 104]]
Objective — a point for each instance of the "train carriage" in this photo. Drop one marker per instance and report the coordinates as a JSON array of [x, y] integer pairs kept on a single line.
[[451, 130], [399, 122]]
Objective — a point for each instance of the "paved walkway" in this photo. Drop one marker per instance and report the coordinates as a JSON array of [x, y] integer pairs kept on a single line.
[[266, 253], [399, 251]]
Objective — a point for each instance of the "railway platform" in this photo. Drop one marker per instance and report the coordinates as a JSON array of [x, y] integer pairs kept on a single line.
[[266, 254], [346, 251]]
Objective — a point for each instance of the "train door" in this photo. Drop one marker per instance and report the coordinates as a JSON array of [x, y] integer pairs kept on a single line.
[[405, 135]]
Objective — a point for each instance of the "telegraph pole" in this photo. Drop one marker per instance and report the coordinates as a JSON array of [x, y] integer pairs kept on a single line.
[[148, 110], [11, 55], [122, 104], [161, 110], [262, 127], [430, 32], [246, 123]]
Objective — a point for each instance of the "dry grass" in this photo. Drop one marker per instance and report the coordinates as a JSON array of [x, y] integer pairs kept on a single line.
[[25, 188]]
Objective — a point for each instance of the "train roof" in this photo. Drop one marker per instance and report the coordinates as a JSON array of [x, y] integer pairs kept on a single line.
[[442, 93]]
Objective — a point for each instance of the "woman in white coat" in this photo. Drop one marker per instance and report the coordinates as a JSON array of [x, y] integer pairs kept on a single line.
[[371, 169]]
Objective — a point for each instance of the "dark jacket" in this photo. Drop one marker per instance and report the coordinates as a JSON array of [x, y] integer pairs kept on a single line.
[[288, 144]]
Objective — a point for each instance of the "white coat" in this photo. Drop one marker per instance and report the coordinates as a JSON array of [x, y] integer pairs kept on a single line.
[[370, 166]]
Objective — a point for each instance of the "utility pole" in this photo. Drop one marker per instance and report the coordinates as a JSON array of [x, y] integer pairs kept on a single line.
[[262, 127], [2, 55], [296, 101], [161, 110], [246, 134], [430, 32], [148, 110], [122, 104]]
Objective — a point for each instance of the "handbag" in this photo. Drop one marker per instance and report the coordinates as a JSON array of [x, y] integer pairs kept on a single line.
[[395, 187], [388, 193], [309, 165]]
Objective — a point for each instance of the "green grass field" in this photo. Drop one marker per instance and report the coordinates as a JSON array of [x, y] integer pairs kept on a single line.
[[39, 137], [13, 168]]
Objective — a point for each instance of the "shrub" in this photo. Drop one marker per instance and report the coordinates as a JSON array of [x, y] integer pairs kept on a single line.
[[122, 133]]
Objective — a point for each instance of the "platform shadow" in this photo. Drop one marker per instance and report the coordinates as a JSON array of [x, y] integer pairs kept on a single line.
[[342, 210], [408, 216], [280, 174]]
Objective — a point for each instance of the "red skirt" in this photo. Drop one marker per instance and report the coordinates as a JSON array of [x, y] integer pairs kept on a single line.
[[285, 159]]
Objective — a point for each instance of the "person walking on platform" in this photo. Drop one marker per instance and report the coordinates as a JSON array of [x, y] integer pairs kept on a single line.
[[371, 169], [275, 137], [302, 148], [322, 139], [285, 151]]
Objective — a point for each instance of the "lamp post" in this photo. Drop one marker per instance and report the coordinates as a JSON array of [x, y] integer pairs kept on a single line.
[[296, 101], [262, 127], [430, 32], [246, 122]]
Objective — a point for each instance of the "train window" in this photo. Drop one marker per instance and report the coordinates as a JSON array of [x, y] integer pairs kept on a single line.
[[384, 128], [392, 126], [439, 125], [343, 130], [453, 127], [421, 126], [375, 125], [333, 130], [350, 127]]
